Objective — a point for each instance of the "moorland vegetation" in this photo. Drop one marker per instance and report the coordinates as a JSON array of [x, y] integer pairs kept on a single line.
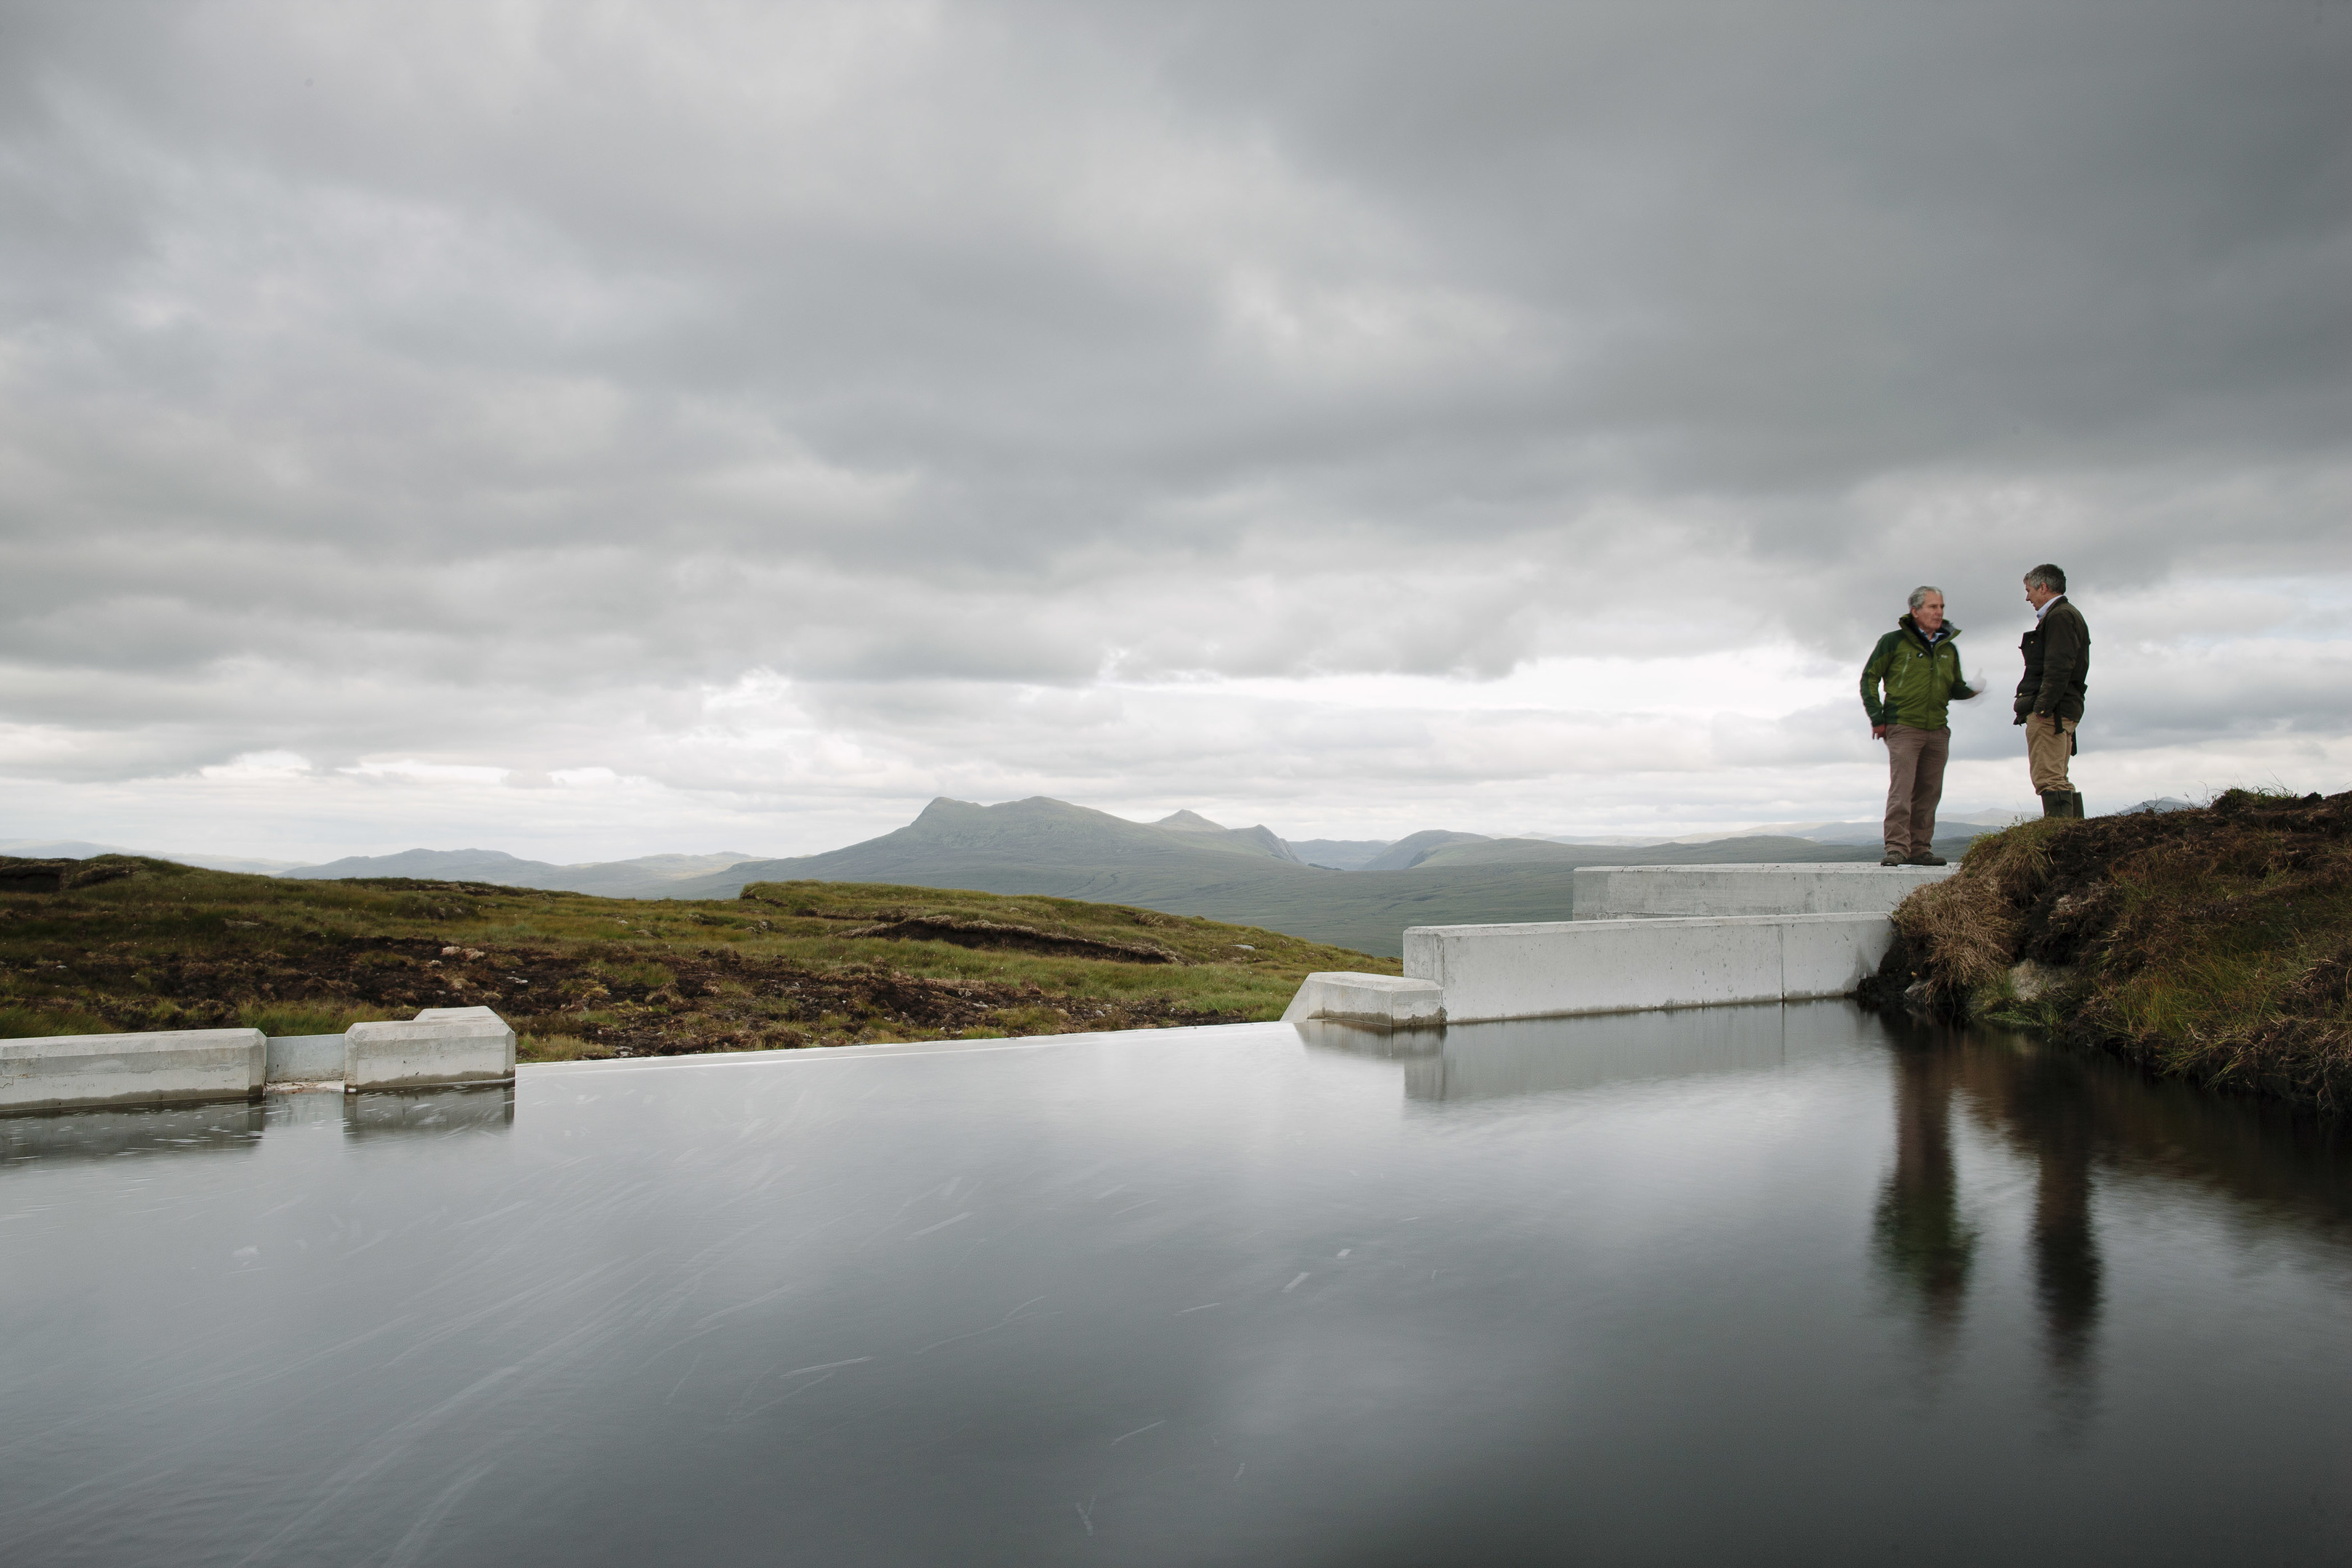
[[124, 943], [2211, 944]]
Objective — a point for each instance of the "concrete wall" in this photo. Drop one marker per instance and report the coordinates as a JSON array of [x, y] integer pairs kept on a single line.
[[306, 1058], [439, 1046], [1563, 968], [1385, 1000], [1669, 892], [57, 1072]]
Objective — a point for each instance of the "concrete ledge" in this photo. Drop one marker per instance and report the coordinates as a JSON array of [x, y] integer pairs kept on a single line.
[[1563, 968], [1684, 892], [1381, 999], [57, 1071], [439, 1046]]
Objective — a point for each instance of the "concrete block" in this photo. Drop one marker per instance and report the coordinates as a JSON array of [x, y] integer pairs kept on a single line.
[[1683, 893], [1382, 999], [56, 1072], [306, 1058], [439, 1046], [1563, 968], [1831, 955]]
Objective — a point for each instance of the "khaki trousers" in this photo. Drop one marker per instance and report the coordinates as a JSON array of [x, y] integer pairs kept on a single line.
[[1915, 786], [2049, 742]]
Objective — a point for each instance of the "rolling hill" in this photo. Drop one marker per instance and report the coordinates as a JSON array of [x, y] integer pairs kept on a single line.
[[1193, 867], [646, 876]]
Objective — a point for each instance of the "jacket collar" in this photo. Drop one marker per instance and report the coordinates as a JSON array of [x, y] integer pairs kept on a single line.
[[1944, 632]]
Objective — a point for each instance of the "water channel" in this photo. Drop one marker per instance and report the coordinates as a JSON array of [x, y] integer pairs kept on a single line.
[[1781, 1284]]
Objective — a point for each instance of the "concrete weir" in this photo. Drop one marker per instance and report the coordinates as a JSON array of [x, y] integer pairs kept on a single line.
[[1670, 892], [1386, 1000], [1643, 937], [1561, 968], [58, 1072], [440, 1045]]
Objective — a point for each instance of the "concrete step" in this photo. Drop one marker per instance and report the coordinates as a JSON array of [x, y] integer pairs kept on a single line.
[[1683, 893], [1561, 968], [1386, 1000]]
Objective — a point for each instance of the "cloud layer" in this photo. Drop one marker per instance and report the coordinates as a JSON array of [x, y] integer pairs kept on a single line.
[[740, 423]]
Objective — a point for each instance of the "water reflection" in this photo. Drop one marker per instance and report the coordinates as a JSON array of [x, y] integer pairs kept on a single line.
[[2046, 1105], [1922, 1242], [429, 1113], [1547, 1056], [2049, 1109], [223, 1127]]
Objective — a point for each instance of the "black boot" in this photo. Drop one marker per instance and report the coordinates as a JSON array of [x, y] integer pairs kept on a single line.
[[2074, 801], [2057, 803]]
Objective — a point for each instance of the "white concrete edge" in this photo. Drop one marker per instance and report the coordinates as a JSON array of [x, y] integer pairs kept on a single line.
[[880, 1049], [1648, 921]]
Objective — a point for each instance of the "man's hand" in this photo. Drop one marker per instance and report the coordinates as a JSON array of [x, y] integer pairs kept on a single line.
[[1878, 732]]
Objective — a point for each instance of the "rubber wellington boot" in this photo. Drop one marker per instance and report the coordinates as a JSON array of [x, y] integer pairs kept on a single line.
[[2057, 803], [2074, 804]]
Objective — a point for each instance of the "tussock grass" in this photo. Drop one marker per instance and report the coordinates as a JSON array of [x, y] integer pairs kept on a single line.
[[2212, 944]]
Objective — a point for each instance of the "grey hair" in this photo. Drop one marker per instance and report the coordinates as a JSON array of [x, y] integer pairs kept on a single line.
[[2046, 576], [1919, 594]]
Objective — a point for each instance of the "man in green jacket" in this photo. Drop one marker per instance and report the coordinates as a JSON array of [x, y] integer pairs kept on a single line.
[[2050, 698], [1918, 667]]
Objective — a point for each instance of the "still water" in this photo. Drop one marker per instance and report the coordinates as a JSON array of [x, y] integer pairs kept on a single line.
[[1755, 1285]]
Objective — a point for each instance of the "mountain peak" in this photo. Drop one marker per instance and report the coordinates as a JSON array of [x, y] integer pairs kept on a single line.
[[1190, 822]]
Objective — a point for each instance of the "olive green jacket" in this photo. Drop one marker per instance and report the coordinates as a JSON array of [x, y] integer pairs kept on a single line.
[[1920, 676]]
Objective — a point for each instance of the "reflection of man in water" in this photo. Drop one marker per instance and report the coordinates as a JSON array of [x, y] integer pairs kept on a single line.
[[2040, 1102], [2050, 1113], [1922, 1240]]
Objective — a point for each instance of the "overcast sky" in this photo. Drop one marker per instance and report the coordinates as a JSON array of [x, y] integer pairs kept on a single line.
[[592, 429]]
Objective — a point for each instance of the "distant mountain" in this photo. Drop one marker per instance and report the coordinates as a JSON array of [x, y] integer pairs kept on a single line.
[[1032, 842], [646, 876], [1412, 851], [1259, 840], [1338, 854], [1049, 846]]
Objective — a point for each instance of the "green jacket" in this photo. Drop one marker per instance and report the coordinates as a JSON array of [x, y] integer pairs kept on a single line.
[[1921, 678]]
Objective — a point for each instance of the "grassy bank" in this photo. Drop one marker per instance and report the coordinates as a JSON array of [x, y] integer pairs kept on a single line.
[[125, 943], [2213, 945]]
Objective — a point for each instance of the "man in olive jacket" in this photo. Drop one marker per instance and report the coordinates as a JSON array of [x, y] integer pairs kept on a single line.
[[1919, 669], [2050, 698]]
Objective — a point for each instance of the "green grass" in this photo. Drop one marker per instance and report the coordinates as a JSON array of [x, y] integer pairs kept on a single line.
[[797, 964]]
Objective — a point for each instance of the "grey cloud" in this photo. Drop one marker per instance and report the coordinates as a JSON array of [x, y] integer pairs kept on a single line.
[[424, 380]]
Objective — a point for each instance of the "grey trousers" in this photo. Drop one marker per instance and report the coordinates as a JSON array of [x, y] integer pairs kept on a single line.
[[1915, 787]]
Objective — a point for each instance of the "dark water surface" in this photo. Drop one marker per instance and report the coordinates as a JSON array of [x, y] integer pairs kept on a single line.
[[1784, 1285]]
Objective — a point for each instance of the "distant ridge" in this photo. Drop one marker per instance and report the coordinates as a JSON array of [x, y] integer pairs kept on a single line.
[[1358, 893], [646, 876], [1410, 851], [1187, 865]]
